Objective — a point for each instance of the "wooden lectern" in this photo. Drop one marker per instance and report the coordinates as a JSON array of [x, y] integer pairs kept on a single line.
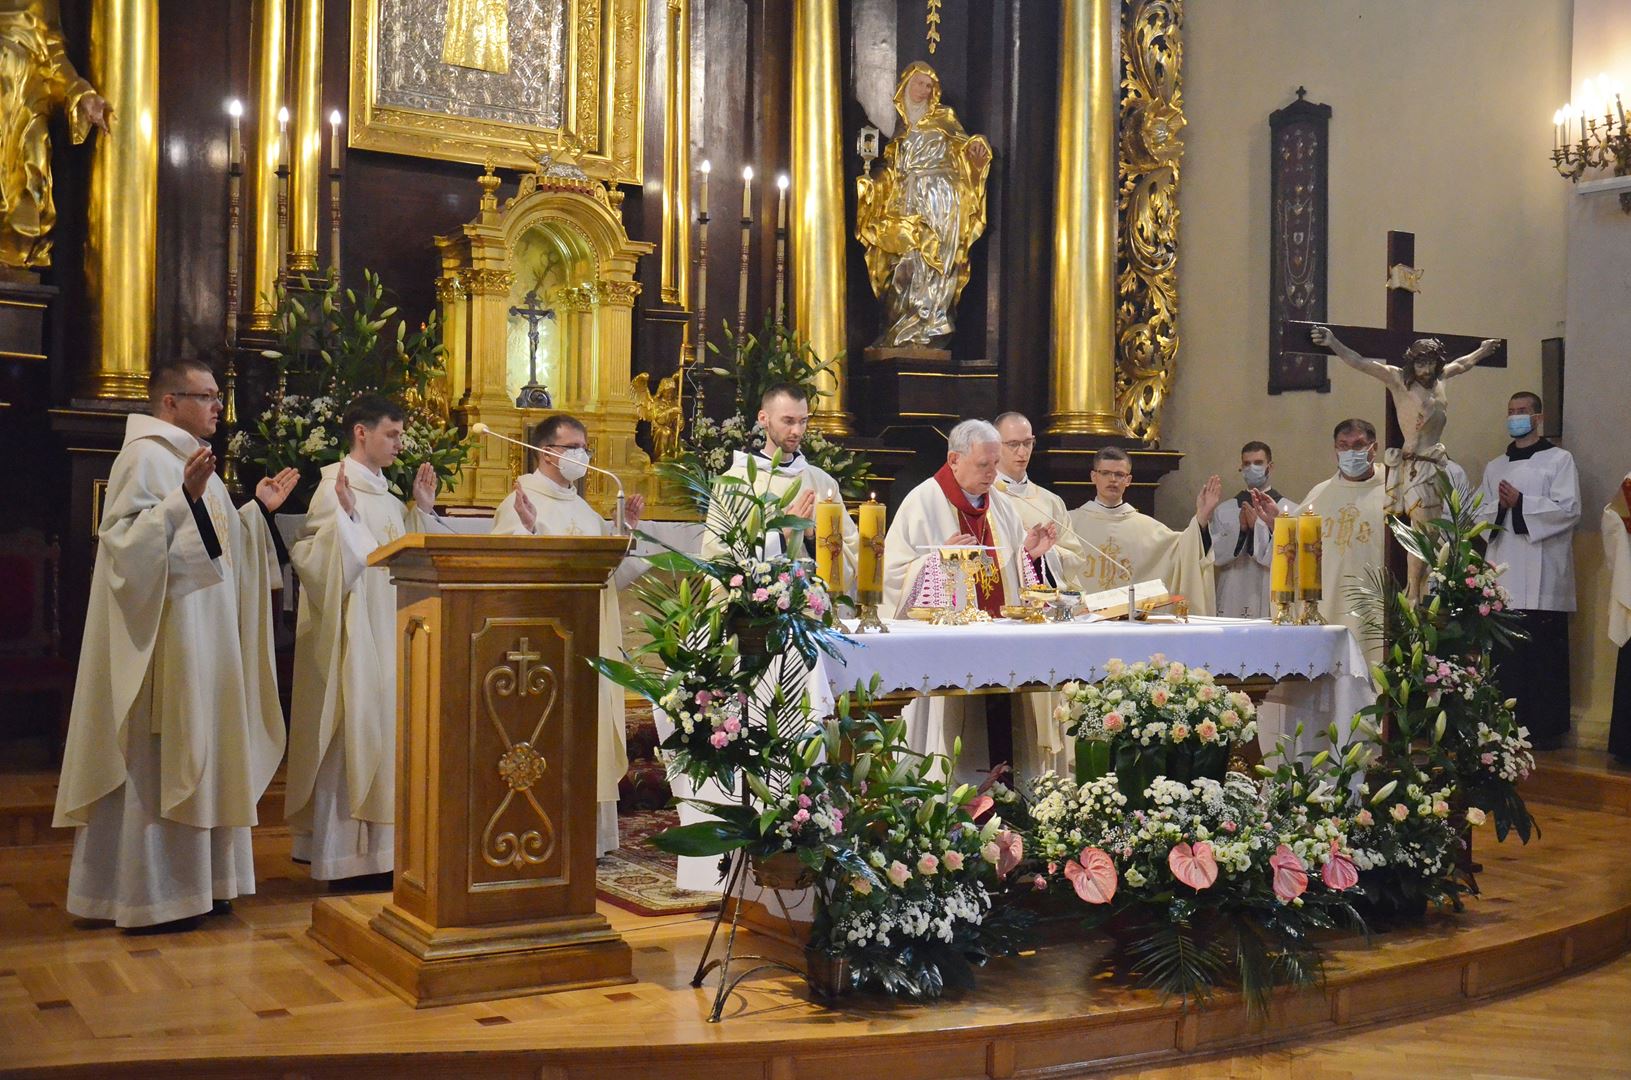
[[497, 729]]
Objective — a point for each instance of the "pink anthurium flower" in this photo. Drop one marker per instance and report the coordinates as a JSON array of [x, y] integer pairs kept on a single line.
[[1195, 866], [1093, 875], [1010, 850], [1339, 871], [1290, 876], [980, 806]]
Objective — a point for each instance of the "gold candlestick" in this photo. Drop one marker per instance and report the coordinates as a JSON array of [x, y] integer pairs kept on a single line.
[[742, 277], [334, 196], [235, 176]]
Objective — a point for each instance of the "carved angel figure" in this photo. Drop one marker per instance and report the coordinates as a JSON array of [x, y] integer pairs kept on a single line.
[[661, 410]]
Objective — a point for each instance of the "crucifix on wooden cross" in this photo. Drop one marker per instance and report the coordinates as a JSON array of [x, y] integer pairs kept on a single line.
[[533, 395]]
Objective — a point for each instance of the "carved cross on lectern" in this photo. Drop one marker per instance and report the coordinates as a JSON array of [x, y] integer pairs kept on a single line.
[[533, 395]]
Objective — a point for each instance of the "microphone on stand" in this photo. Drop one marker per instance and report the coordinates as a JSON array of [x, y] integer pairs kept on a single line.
[[620, 523]]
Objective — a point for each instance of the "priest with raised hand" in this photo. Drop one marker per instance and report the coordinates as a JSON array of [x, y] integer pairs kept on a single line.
[[175, 730], [1352, 505], [1036, 504], [1242, 543], [1532, 493], [1181, 559], [784, 415], [340, 801], [545, 502], [957, 506]]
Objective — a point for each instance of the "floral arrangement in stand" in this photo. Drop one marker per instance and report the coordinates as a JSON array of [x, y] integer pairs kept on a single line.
[[751, 365], [334, 345]]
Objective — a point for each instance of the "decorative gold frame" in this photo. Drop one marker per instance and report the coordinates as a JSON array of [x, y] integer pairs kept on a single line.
[[605, 99]]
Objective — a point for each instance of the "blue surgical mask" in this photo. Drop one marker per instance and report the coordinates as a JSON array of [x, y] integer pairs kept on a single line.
[[1520, 425], [1354, 463], [1255, 475]]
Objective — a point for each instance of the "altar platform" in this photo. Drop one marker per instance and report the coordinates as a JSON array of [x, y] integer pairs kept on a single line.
[[252, 994]]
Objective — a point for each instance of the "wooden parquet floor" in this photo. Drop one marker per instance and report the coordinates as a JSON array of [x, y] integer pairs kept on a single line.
[[251, 994]]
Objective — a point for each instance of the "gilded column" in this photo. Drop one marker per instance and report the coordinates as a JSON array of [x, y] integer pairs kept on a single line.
[[1083, 364], [123, 213], [270, 30], [306, 151], [676, 245], [819, 286]]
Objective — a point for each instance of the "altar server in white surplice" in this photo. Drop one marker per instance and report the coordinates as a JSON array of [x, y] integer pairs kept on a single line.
[[784, 415], [341, 795], [1533, 493], [1035, 503], [958, 505], [176, 729], [1182, 559], [1241, 545], [546, 502]]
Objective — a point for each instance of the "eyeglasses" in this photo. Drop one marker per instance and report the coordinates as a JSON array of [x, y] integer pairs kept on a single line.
[[1112, 475], [1020, 444], [200, 395], [564, 449]]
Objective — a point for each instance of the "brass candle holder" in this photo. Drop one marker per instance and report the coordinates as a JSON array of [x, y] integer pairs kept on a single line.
[[1281, 603], [867, 601]]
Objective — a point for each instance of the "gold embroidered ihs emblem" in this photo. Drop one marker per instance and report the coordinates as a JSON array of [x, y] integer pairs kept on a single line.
[[1108, 566], [1344, 529], [223, 525]]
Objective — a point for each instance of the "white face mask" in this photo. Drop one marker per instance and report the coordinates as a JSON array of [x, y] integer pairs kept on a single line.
[[1354, 463], [573, 464], [1255, 475]]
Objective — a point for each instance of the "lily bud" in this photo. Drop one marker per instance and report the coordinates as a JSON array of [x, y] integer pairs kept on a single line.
[[1381, 795]]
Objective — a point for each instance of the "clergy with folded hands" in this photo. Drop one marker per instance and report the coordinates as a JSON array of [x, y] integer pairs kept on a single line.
[[175, 730], [959, 506], [545, 502], [1181, 559], [340, 801]]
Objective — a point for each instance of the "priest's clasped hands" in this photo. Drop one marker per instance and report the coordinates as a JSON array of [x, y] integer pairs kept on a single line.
[[633, 507], [270, 492]]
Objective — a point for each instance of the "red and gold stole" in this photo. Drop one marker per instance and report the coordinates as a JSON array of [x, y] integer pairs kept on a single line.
[[972, 520]]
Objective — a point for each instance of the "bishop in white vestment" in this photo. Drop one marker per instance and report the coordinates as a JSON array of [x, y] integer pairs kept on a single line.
[[545, 502], [1532, 493], [1183, 559], [958, 506], [340, 800], [1036, 504], [1241, 544], [176, 729]]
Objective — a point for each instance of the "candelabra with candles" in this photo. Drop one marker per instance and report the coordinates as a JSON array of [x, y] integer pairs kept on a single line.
[[235, 177], [1580, 142]]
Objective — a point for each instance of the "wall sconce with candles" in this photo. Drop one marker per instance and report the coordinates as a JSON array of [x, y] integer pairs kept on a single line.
[[1581, 142]]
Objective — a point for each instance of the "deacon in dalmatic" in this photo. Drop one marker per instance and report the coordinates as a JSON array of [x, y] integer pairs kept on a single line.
[[175, 730], [546, 502], [1352, 505], [1183, 560], [1533, 493], [341, 797], [1241, 543], [958, 506], [784, 414], [1036, 504]]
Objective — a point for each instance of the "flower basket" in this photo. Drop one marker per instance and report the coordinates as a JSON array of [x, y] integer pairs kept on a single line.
[[828, 975], [782, 870]]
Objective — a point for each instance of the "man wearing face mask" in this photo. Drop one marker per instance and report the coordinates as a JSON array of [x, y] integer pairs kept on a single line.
[[1352, 505], [1241, 543], [341, 797], [545, 502], [1532, 493]]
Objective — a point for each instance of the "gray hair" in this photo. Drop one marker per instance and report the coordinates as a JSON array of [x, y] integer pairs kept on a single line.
[[965, 435]]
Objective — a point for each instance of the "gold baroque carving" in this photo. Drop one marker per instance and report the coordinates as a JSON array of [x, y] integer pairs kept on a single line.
[[520, 766], [618, 292], [480, 281], [603, 107], [1151, 126], [449, 289]]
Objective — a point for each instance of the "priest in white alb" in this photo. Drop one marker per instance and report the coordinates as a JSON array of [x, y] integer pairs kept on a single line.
[[175, 730], [1036, 504], [784, 415], [340, 800], [959, 506], [1616, 528], [546, 502], [1182, 559], [1242, 546], [1532, 493]]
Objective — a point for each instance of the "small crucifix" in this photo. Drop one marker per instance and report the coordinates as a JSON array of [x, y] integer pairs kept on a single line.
[[533, 395]]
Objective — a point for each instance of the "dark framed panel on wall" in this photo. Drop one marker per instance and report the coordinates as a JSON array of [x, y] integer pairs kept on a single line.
[[1551, 385], [1299, 171]]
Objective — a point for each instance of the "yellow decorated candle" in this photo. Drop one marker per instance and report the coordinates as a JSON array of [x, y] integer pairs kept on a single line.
[[829, 530], [1282, 580], [1308, 555], [873, 517]]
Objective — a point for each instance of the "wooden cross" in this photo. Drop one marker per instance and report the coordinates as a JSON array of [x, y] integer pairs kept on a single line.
[[533, 395]]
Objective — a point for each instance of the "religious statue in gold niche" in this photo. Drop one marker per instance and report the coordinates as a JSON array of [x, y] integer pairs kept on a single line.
[[36, 79], [477, 35], [920, 215], [661, 410]]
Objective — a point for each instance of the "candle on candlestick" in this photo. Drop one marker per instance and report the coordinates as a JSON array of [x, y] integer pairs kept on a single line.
[[747, 193], [742, 275], [781, 201], [829, 544], [781, 249], [1282, 573], [702, 190], [283, 137], [334, 140], [235, 145], [1309, 526], [869, 569]]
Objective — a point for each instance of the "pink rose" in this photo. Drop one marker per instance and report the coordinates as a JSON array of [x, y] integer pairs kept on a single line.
[[1093, 875], [1290, 876], [1472, 583], [1011, 850], [898, 874], [1207, 730], [1487, 759], [1229, 717], [1364, 819], [1159, 697], [804, 801], [783, 578], [1180, 732], [1229, 826], [1339, 871], [954, 860], [783, 603], [800, 817], [719, 739], [1113, 722], [1498, 606], [927, 864], [736, 581], [1400, 811], [732, 725], [760, 595], [1483, 609], [1441, 808], [1039, 883], [703, 697], [1195, 865], [1475, 816], [861, 885]]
